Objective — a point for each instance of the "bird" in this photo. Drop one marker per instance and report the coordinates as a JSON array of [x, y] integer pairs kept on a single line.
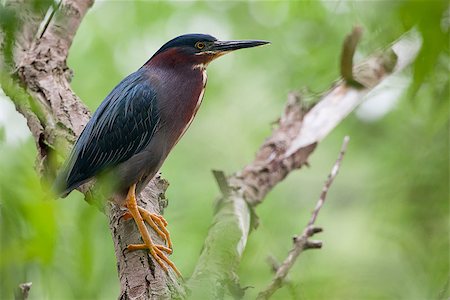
[[138, 123]]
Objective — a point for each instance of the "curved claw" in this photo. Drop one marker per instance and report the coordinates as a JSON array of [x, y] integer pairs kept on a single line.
[[156, 222], [163, 220], [163, 257], [156, 251]]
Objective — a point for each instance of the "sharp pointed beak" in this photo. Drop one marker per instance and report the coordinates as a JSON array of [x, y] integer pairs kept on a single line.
[[227, 46]]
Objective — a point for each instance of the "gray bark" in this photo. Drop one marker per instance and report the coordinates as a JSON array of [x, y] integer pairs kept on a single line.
[[39, 84], [298, 132], [37, 79]]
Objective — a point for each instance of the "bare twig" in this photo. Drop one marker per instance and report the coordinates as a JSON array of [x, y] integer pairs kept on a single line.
[[287, 149], [23, 290], [329, 181], [302, 242], [58, 114], [273, 263]]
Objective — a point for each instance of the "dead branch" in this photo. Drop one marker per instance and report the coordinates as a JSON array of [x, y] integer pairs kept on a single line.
[[329, 181], [55, 116], [303, 242], [288, 148]]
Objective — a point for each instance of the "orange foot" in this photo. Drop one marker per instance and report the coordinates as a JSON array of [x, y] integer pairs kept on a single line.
[[158, 223]]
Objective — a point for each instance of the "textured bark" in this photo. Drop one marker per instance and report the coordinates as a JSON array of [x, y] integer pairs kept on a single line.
[[138, 274], [46, 76], [287, 149], [40, 89]]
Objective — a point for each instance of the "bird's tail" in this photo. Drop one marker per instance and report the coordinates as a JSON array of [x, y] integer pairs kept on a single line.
[[59, 187]]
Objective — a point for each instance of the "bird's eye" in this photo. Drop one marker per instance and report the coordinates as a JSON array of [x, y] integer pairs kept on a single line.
[[200, 45]]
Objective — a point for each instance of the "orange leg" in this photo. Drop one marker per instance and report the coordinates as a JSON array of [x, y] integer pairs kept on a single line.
[[156, 251]]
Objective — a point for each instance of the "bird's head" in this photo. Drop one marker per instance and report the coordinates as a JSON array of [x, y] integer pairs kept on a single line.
[[198, 49]]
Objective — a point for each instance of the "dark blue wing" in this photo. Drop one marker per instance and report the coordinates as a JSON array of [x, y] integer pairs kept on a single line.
[[122, 126]]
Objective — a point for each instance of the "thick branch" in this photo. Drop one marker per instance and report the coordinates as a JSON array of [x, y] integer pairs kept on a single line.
[[56, 116], [139, 277], [302, 241], [287, 149], [44, 71]]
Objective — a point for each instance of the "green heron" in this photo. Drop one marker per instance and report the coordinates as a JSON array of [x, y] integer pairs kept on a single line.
[[131, 133]]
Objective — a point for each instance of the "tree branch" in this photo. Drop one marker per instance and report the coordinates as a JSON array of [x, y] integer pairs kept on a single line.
[[287, 149], [302, 241], [55, 116]]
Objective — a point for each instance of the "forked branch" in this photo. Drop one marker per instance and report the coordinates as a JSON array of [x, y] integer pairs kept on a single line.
[[287, 149], [55, 116]]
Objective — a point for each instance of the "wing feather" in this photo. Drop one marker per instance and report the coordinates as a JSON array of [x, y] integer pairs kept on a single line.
[[122, 126]]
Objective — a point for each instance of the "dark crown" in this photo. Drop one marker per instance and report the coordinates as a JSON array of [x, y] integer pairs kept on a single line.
[[186, 40]]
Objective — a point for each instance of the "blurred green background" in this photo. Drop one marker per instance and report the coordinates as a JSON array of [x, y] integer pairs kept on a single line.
[[386, 219]]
